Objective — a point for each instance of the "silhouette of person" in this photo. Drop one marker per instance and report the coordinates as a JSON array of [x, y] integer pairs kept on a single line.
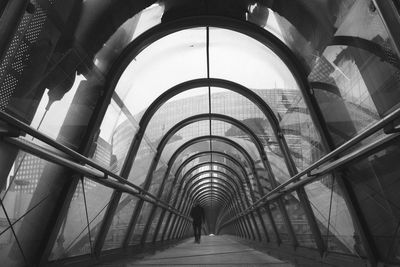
[[197, 214]]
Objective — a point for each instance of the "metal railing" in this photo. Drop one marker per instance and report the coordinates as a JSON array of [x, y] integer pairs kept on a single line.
[[97, 173], [313, 172]]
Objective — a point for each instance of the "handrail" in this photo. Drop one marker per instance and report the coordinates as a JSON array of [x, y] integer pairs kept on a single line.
[[373, 128], [93, 174], [345, 146], [73, 154]]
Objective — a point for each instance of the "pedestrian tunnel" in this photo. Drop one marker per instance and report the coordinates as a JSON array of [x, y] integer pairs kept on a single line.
[[280, 118]]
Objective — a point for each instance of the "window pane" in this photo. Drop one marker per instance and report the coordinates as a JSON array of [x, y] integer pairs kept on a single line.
[[333, 217], [355, 76], [251, 64], [375, 183], [119, 225]]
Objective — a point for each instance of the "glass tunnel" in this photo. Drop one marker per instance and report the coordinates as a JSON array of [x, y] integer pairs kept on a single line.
[[279, 117]]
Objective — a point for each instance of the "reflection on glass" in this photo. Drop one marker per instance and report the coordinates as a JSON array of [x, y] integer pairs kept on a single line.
[[119, 225], [50, 114], [280, 223], [74, 230], [376, 181], [116, 132], [141, 164], [268, 225], [127, 32], [299, 220], [333, 217], [173, 59], [153, 224], [140, 224], [10, 254], [162, 226], [251, 64], [34, 186], [357, 75]]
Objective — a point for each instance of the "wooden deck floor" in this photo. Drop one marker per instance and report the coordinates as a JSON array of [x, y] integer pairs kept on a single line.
[[212, 251]]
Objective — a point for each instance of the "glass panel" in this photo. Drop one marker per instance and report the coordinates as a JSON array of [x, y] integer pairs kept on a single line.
[[260, 228], [169, 227], [10, 253], [173, 59], [280, 223], [250, 63], [119, 225], [237, 106], [201, 146], [239, 136], [50, 115], [32, 192], [195, 129], [157, 179], [328, 205], [116, 132], [142, 163], [181, 106], [355, 74], [241, 108], [301, 136], [153, 225], [162, 227], [375, 183], [73, 237], [127, 32], [140, 224], [165, 194], [299, 220], [97, 199], [74, 229], [268, 225]]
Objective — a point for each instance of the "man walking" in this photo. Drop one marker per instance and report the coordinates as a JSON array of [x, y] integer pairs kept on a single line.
[[197, 214]]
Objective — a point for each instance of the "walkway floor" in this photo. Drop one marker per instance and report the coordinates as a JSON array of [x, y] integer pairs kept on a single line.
[[213, 251]]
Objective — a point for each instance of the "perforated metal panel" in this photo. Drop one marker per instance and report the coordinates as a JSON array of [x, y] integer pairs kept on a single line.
[[13, 64]]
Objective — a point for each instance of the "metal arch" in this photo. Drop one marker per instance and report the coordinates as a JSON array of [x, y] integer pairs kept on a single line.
[[227, 177], [204, 153], [264, 159], [262, 105], [186, 209], [193, 194], [154, 164], [207, 197], [258, 34], [194, 186], [224, 118], [247, 93], [180, 196], [208, 163], [177, 173], [180, 187], [241, 150], [223, 166], [367, 45], [242, 170], [203, 187], [246, 225], [253, 31]]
